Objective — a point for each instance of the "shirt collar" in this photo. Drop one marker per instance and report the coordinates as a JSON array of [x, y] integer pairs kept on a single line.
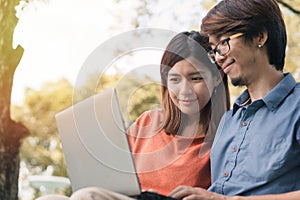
[[240, 101], [280, 92], [274, 97]]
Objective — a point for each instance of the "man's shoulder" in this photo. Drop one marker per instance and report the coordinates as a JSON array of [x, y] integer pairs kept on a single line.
[[297, 87], [296, 91]]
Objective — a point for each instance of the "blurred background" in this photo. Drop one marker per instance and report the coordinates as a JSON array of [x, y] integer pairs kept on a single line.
[[59, 35]]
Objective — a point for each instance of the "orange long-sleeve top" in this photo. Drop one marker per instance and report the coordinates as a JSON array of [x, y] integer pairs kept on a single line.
[[163, 161]]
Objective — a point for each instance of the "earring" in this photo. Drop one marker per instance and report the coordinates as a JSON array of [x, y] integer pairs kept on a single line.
[[260, 46]]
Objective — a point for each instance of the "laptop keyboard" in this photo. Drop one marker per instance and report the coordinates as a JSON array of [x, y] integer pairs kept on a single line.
[[153, 196]]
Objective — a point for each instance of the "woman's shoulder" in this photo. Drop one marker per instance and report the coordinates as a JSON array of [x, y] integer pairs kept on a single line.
[[150, 116], [149, 122]]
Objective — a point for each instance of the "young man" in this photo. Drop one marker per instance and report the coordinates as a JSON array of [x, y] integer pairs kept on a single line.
[[256, 152]]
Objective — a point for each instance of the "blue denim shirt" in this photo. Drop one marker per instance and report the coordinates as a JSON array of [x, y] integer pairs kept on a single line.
[[257, 146]]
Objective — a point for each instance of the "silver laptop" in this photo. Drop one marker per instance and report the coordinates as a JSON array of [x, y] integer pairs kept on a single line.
[[95, 145]]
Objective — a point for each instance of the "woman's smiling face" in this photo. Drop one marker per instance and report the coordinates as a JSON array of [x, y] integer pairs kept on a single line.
[[189, 87]]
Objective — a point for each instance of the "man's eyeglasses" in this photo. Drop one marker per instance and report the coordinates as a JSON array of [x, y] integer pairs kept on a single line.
[[222, 47]]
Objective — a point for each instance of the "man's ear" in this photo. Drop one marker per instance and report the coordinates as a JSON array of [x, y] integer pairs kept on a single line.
[[262, 38]]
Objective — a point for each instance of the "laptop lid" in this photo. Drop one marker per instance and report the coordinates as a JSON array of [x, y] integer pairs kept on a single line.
[[95, 145]]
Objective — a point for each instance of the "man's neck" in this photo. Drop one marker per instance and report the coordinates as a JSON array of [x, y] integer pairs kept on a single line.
[[264, 84]]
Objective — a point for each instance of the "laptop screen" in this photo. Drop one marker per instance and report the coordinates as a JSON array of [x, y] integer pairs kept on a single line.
[[95, 145]]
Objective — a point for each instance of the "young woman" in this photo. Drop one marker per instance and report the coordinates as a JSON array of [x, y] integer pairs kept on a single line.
[[171, 145]]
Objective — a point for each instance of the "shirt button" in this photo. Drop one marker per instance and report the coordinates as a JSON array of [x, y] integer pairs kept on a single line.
[[225, 174], [244, 123], [234, 149]]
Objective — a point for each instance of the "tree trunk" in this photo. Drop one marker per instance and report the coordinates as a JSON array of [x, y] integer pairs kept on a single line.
[[11, 133], [10, 140]]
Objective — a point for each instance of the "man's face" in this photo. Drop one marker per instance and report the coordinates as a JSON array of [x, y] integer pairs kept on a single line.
[[239, 62]]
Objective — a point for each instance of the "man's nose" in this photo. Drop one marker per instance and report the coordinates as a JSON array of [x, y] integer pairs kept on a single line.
[[219, 58]]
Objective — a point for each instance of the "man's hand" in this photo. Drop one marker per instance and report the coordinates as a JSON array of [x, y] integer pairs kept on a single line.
[[195, 193]]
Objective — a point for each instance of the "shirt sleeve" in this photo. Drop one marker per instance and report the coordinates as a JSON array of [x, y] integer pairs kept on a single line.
[[297, 130]]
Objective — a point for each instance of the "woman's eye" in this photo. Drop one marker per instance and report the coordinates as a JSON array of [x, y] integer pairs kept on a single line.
[[197, 78], [173, 79]]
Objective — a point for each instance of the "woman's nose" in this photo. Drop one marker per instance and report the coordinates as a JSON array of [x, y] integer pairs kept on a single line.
[[186, 87]]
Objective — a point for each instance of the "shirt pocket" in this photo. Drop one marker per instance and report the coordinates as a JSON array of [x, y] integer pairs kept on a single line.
[[263, 157]]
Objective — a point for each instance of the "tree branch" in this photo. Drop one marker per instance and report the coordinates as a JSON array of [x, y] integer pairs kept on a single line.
[[288, 6]]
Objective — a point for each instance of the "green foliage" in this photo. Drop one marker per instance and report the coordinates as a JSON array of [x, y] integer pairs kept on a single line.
[[292, 54], [42, 148], [136, 93]]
